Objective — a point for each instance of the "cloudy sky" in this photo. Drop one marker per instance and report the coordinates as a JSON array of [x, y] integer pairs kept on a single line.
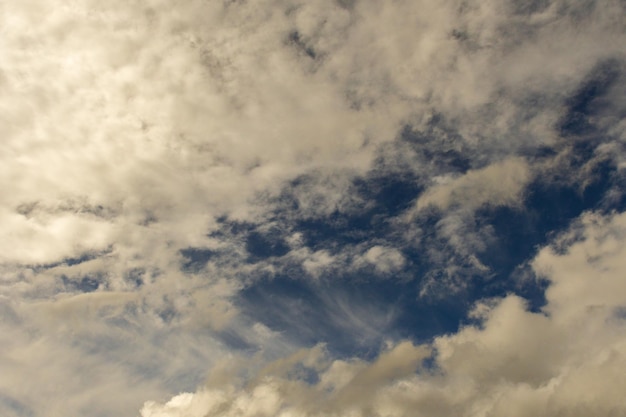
[[299, 208]]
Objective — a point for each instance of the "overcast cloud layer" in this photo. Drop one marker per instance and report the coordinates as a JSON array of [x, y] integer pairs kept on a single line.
[[328, 207]]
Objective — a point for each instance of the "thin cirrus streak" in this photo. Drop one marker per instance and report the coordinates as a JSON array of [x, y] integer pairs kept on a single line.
[[272, 207]]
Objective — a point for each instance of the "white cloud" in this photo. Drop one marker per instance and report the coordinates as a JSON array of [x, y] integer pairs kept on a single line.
[[130, 127], [316, 262], [501, 183], [48, 240], [99, 112], [385, 260], [566, 360]]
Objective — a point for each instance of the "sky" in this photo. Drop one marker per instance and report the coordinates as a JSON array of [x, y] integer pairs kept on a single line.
[[250, 208]]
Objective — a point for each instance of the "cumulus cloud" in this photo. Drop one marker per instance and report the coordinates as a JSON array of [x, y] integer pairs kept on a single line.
[[563, 360], [158, 161]]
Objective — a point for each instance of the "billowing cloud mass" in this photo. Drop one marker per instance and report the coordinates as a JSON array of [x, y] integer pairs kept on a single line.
[[303, 208]]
